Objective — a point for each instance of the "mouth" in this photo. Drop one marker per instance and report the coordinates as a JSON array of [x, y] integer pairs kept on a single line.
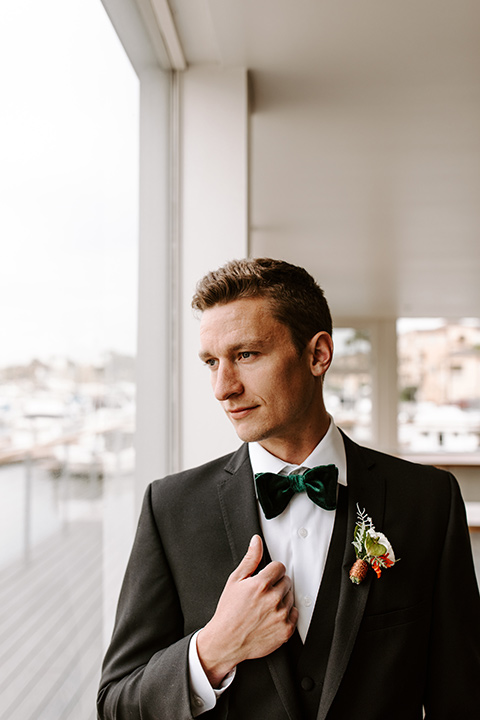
[[239, 413]]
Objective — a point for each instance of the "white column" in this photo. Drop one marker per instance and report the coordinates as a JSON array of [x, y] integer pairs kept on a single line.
[[152, 441], [214, 229], [384, 385]]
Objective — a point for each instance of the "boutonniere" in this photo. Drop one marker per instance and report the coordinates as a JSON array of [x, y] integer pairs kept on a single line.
[[371, 547]]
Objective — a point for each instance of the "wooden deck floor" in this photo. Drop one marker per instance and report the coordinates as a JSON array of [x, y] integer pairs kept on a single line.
[[51, 628]]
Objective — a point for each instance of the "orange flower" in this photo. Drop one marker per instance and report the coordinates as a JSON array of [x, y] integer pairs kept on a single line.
[[383, 561]]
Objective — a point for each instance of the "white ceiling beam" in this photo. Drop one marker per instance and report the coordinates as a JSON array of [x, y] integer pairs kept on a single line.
[[139, 36], [168, 30]]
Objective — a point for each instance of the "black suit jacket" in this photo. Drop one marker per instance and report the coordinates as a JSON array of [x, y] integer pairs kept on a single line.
[[407, 641]]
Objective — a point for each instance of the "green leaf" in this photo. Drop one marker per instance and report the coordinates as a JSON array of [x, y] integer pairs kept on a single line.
[[373, 547]]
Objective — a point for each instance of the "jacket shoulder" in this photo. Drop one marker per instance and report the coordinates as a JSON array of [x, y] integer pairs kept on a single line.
[[399, 470], [372, 456], [199, 478], [384, 460]]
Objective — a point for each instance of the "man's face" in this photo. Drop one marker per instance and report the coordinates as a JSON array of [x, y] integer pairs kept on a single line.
[[267, 390]]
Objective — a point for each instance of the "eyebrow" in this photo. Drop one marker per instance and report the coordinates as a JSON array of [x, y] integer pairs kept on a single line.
[[203, 355], [248, 342]]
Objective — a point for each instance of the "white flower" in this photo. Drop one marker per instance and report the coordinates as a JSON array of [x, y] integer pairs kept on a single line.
[[379, 537]]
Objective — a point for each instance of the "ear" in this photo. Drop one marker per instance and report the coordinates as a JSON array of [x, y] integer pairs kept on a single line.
[[321, 353]]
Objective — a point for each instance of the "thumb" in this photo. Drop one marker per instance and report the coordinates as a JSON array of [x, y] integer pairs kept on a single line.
[[250, 560]]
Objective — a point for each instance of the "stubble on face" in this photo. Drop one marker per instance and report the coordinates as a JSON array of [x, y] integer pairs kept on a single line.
[[263, 384]]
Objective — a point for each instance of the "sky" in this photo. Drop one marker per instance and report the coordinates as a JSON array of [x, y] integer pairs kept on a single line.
[[68, 183]]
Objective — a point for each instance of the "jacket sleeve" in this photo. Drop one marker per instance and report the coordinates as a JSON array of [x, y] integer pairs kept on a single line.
[[454, 667], [145, 671]]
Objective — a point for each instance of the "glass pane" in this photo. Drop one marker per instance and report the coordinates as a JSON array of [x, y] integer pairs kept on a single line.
[[439, 384], [68, 286], [348, 383]]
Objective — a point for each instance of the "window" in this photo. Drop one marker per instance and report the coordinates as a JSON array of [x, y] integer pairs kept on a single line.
[[439, 385], [348, 382], [69, 182]]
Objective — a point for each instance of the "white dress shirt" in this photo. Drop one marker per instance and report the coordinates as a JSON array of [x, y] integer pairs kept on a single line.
[[299, 538]]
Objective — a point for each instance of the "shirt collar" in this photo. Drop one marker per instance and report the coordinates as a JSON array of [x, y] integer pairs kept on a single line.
[[330, 450]]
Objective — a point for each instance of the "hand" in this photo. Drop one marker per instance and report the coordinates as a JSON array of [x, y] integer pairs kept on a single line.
[[254, 616]]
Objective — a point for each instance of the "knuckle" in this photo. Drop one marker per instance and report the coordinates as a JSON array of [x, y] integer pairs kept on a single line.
[[260, 583], [232, 577]]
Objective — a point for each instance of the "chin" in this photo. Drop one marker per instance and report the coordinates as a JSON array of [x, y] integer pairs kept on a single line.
[[246, 436], [251, 434]]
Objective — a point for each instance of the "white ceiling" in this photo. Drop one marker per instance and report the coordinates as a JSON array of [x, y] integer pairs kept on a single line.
[[365, 142]]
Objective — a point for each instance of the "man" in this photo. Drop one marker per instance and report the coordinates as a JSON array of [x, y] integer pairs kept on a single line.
[[238, 603]]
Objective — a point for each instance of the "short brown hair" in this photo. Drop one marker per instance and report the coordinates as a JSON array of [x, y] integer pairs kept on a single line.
[[296, 299]]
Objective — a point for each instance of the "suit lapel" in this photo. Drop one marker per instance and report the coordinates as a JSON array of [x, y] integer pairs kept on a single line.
[[240, 514], [367, 489], [238, 503]]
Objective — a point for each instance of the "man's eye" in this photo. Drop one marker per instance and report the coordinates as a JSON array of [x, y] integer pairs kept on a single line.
[[211, 362], [246, 354]]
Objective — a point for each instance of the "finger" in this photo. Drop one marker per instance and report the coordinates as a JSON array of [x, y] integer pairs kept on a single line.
[[282, 594], [273, 573], [250, 560], [288, 600], [293, 617], [284, 583], [281, 588]]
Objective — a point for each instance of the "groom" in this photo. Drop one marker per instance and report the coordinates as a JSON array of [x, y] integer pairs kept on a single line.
[[239, 601]]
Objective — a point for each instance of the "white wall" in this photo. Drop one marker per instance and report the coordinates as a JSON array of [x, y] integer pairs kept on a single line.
[[214, 229]]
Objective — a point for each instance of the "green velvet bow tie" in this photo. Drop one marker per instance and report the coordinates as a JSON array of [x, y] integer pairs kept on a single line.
[[275, 491]]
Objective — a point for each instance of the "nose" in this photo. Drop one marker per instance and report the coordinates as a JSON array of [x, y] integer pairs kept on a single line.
[[226, 381]]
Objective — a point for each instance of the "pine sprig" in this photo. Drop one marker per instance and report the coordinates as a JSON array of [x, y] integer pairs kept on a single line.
[[364, 524]]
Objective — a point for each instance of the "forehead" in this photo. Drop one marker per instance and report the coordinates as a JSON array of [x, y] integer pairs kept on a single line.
[[243, 320]]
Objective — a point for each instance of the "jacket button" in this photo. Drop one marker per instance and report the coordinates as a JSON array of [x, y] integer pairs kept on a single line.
[[307, 683]]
